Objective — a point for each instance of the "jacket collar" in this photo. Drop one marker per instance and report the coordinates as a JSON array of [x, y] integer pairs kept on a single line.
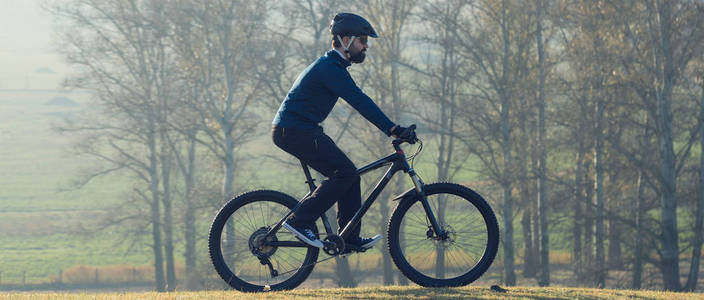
[[336, 56]]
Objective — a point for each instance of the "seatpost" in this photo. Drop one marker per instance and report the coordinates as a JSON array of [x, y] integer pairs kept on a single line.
[[309, 179]]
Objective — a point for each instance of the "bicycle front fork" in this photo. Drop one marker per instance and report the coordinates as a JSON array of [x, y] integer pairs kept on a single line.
[[420, 193]]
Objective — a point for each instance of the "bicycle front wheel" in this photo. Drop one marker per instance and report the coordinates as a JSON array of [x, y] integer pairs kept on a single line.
[[239, 254], [457, 259]]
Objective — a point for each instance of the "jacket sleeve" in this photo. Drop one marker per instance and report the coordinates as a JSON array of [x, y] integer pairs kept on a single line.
[[341, 83]]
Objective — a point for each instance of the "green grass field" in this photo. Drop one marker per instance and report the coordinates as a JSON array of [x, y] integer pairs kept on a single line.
[[390, 292]]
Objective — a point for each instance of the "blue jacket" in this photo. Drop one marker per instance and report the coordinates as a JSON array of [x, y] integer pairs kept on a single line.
[[316, 91]]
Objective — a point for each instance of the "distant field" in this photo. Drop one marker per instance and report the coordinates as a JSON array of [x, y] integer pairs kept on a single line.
[[392, 292], [40, 215], [36, 169]]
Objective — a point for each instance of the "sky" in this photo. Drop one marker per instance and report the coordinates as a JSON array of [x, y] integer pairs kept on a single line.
[[27, 49]]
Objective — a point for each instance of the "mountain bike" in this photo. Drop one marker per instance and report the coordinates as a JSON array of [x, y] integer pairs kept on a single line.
[[439, 235]]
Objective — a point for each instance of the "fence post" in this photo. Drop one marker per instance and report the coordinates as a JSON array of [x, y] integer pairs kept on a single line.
[[0, 277], [134, 274], [96, 275], [61, 273], [24, 277]]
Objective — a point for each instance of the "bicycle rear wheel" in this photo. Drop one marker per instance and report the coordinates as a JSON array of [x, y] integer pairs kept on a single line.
[[237, 230], [459, 259]]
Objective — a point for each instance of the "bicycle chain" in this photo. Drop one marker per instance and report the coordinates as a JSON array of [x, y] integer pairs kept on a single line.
[[305, 266]]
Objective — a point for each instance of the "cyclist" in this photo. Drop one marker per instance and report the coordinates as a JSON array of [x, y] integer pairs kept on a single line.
[[297, 130]]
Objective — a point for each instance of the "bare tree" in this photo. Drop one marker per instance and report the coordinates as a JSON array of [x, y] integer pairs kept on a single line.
[[119, 48], [544, 279], [494, 38], [219, 43], [662, 38], [439, 88]]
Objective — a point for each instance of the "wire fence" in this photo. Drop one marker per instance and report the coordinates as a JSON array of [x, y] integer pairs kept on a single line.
[[79, 276]]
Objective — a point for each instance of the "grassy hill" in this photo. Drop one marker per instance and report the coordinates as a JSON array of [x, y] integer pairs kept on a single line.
[[391, 292]]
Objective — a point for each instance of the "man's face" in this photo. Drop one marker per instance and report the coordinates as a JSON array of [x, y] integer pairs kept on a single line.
[[358, 49]]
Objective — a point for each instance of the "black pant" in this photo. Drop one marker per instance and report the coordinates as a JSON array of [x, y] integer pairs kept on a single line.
[[317, 150]]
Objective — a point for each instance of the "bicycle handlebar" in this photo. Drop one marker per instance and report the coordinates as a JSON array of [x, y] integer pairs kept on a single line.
[[410, 131]]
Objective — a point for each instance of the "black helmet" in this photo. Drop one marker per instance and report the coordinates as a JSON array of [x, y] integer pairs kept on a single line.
[[347, 24]]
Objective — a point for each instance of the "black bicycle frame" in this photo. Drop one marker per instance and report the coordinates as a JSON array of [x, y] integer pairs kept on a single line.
[[397, 163]]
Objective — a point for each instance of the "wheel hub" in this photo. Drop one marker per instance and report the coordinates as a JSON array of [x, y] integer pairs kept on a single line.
[[258, 240], [450, 234], [446, 239]]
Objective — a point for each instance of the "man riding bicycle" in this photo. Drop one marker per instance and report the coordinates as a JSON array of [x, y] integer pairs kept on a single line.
[[297, 130]]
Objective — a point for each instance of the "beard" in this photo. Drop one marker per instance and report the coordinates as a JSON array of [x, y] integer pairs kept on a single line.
[[357, 58]]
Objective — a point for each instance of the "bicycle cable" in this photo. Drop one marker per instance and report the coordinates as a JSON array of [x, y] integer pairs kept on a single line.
[[418, 150]]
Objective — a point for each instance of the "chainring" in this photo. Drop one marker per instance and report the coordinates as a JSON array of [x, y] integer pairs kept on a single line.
[[337, 241]]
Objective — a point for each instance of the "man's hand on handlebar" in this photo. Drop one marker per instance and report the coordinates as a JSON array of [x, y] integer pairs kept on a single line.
[[407, 134]]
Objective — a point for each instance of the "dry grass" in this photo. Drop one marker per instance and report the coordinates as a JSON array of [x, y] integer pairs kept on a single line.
[[389, 292]]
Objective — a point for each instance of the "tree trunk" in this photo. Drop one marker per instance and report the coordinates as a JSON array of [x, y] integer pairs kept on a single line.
[[699, 214], [544, 279], [638, 251], [530, 259], [226, 119], [529, 263], [668, 202], [509, 268], [168, 217], [445, 149], [600, 279], [156, 239], [577, 261], [189, 215], [160, 285], [615, 254], [535, 251], [588, 222], [344, 273], [169, 240], [228, 170]]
